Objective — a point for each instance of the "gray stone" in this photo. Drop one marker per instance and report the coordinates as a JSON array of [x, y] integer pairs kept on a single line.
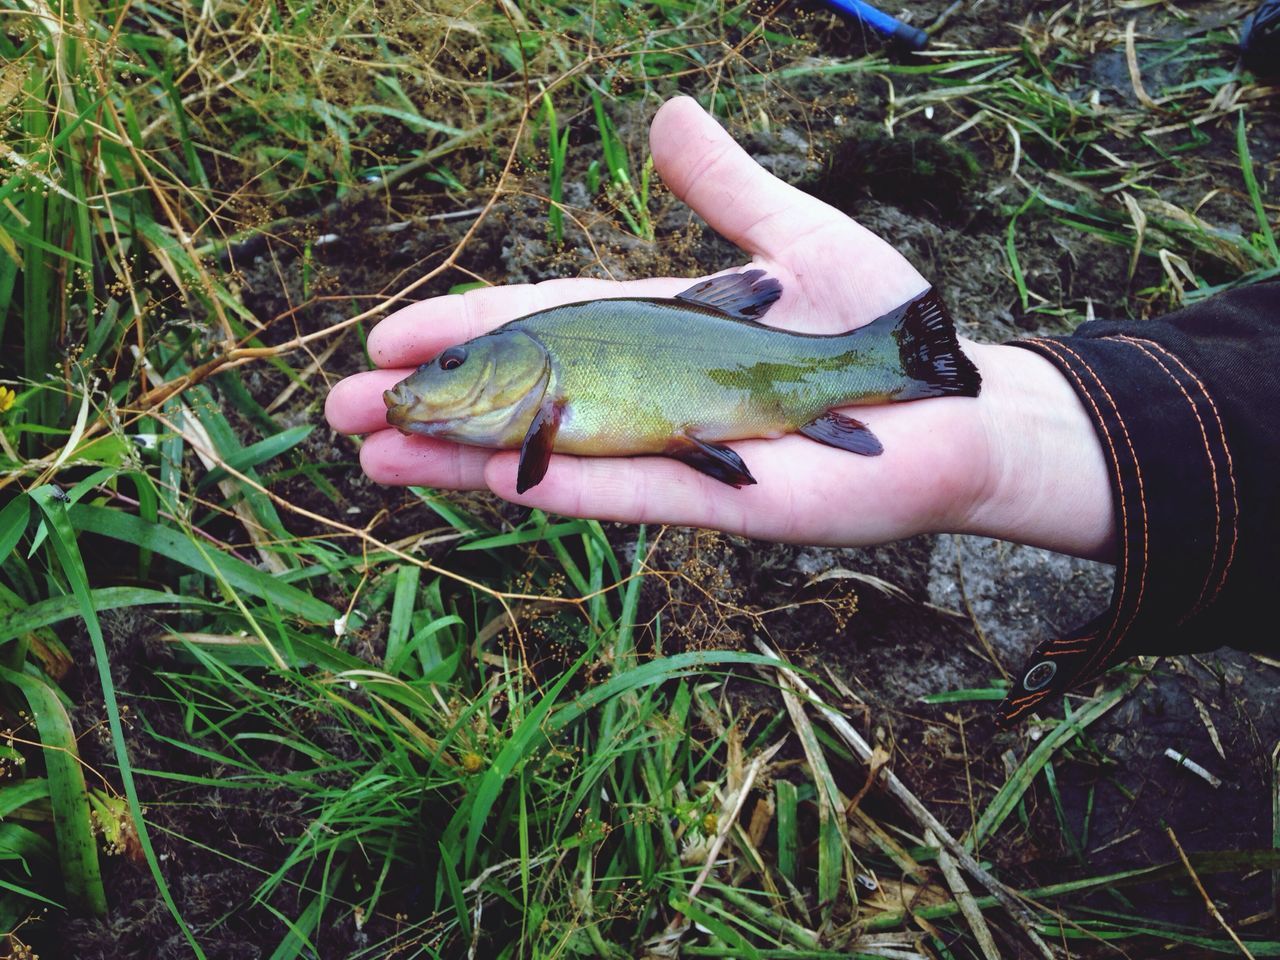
[[1018, 595]]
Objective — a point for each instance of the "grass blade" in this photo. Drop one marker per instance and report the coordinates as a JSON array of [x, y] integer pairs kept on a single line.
[[62, 538], [68, 796], [1255, 194], [1006, 799], [13, 523], [130, 529]]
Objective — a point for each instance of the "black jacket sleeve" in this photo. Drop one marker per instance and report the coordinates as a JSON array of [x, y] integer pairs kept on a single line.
[[1187, 408]]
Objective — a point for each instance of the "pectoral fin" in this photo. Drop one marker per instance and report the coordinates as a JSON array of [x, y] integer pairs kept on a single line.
[[837, 430], [535, 452], [712, 459]]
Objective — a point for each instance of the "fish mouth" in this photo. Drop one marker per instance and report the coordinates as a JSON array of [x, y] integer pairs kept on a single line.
[[399, 396], [401, 404]]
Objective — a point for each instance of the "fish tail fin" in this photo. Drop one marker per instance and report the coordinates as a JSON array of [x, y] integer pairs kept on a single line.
[[931, 356]]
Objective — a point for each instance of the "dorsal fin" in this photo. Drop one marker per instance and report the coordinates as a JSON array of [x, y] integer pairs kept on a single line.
[[743, 296]]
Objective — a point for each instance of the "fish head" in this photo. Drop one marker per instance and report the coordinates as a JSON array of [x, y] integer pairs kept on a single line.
[[483, 392]]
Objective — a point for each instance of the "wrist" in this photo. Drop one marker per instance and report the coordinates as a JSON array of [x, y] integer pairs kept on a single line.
[[1040, 476]]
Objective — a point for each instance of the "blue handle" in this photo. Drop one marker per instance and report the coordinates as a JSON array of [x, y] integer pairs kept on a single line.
[[910, 37]]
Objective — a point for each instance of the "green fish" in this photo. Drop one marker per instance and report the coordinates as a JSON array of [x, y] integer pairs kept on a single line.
[[677, 377]]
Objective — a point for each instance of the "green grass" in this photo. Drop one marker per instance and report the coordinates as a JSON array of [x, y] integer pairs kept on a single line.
[[469, 729], [557, 155], [1077, 155], [631, 198], [508, 778]]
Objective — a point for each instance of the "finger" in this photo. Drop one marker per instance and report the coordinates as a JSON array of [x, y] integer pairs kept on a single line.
[[705, 167], [792, 475], [628, 489], [392, 458], [419, 332], [354, 405]]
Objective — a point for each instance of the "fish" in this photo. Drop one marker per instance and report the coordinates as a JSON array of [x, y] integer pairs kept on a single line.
[[678, 377]]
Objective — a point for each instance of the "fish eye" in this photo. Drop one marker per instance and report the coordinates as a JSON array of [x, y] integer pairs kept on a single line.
[[453, 358]]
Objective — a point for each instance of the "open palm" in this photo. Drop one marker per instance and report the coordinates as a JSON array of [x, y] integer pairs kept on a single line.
[[835, 276]]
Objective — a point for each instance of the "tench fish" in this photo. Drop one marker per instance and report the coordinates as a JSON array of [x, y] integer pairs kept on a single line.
[[677, 377]]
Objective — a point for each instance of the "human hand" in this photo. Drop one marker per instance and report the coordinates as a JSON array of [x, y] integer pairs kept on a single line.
[[946, 462]]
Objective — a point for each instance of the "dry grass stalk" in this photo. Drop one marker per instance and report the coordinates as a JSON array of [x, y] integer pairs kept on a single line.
[[964, 899], [197, 437], [898, 790], [1135, 71], [1208, 901], [732, 812]]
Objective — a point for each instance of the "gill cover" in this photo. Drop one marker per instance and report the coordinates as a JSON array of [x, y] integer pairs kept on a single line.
[[482, 392]]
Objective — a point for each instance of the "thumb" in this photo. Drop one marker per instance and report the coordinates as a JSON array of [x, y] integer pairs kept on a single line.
[[741, 200]]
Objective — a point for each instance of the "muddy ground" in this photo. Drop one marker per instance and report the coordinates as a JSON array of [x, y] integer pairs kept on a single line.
[[972, 608]]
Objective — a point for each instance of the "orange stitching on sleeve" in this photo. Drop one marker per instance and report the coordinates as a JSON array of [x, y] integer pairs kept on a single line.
[[1213, 474], [1068, 645], [1019, 711], [1231, 474], [1057, 644], [1122, 587], [1116, 633], [1058, 648], [1030, 697]]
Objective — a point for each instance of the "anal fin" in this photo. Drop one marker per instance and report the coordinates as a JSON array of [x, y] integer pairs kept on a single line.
[[535, 452], [836, 430], [713, 459]]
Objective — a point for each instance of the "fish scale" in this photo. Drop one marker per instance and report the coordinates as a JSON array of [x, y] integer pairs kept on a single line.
[[677, 377], [670, 369]]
